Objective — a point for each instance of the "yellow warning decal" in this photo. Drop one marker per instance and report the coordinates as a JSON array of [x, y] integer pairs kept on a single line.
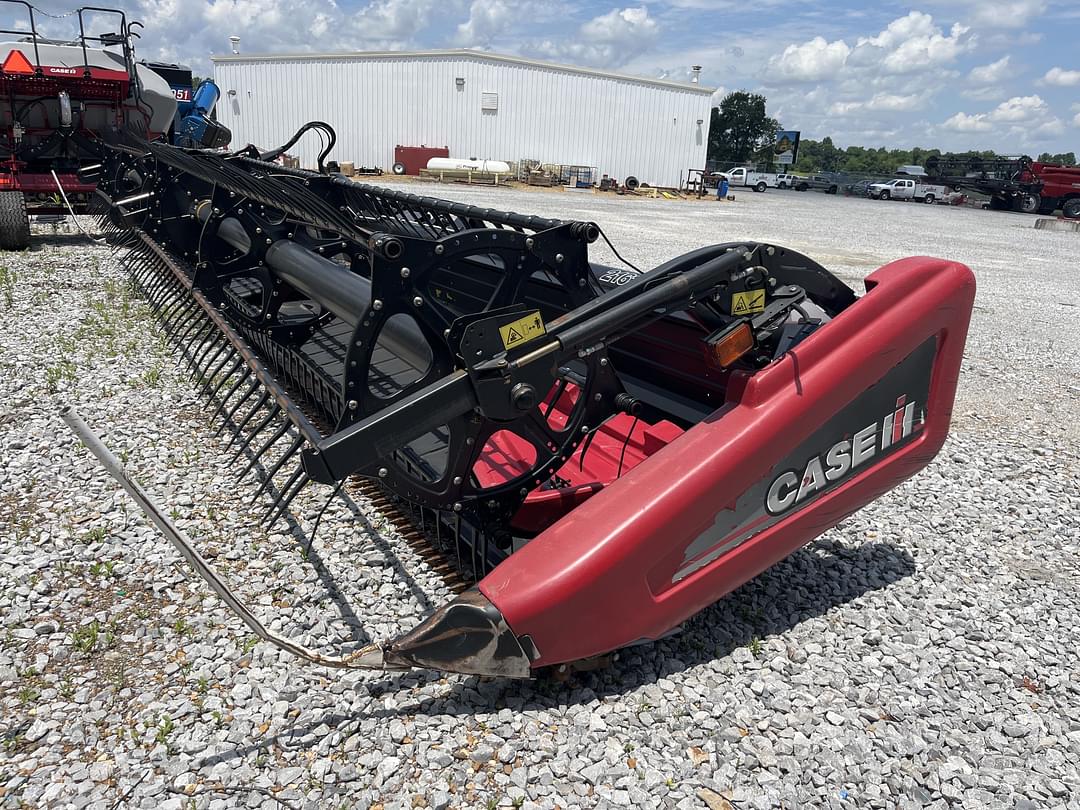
[[522, 330], [746, 303]]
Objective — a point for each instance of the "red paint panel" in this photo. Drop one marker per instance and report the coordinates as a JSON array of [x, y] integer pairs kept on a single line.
[[582, 587], [25, 181], [617, 447]]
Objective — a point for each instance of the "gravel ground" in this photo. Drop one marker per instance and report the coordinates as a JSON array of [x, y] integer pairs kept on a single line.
[[923, 653]]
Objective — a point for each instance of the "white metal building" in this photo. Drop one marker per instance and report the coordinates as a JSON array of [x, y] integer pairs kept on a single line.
[[478, 104]]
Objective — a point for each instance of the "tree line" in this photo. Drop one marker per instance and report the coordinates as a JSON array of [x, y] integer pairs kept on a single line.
[[740, 131]]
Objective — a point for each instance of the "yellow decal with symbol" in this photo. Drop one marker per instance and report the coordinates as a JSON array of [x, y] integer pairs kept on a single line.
[[522, 330], [746, 303]]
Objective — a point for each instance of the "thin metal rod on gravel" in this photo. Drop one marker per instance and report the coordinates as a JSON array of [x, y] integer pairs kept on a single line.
[[369, 657]]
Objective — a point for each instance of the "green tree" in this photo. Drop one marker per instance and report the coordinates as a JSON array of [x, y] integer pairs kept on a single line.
[[1062, 158], [740, 130]]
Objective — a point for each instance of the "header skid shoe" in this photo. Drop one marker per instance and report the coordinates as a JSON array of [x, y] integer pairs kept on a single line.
[[601, 452]]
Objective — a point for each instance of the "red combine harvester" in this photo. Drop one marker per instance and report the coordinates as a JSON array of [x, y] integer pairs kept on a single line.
[[1013, 184], [63, 100]]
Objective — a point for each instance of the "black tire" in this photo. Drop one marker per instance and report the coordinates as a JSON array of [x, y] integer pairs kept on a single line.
[[781, 185], [1071, 208], [831, 190], [14, 222], [398, 168], [1028, 203], [885, 195], [761, 186], [801, 187], [631, 182], [929, 199]]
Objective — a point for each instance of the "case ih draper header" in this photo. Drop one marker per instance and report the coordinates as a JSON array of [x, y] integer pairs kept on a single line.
[[602, 452]]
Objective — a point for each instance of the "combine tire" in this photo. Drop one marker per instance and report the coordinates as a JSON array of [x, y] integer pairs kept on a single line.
[[14, 222], [928, 199], [1071, 208], [1028, 203], [761, 186], [398, 168]]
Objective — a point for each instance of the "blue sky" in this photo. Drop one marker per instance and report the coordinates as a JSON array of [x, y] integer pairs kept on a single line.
[[998, 74]]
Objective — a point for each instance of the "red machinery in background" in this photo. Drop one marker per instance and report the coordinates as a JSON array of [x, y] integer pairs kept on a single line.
[[60, 102], [1013, 183], [411, 159]]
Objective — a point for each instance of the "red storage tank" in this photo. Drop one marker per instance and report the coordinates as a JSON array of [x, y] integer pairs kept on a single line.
[[411, 159]]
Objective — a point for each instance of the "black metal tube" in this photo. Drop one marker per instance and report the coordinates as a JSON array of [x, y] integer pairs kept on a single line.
[[337, 288], [330, 285], [230, 230]]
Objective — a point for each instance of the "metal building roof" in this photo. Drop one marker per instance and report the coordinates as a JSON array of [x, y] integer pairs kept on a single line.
[[461, 53]]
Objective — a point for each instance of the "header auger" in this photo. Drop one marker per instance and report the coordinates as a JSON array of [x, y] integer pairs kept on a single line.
[[602, 451]]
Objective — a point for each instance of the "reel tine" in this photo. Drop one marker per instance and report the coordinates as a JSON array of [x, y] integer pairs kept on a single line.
[[174, 315], [215, 341], [227, 419], [298, 442], [206, 379], [204, 341], [285, 425], [195, 321], [286, 499], [240, 428], [257, 430], [188, 309], [211, 395]]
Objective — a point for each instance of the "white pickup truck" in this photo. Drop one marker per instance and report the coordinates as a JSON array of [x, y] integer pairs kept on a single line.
[[748, 178], [906, 189]]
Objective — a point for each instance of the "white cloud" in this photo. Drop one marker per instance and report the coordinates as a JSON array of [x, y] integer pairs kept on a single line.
[[487, 18], [1076, 120], [992, 73], [1049, 129], [1060, 77], [894, 103], [1019, 108], [393, 20], [1006, 13], [841, 108], [962, 122], [811, 61], [609, 40], [1020, 116], [189, 31], [912, 44], [990, 92]]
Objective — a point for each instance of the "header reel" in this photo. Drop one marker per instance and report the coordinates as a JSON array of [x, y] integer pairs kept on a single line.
[[457, 355]]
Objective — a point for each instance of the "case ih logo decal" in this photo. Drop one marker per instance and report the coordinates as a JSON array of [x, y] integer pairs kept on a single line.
[[843, 458], [890, 413], [61, 71]]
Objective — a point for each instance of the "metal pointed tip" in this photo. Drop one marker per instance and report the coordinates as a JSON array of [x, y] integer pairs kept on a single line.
[[370, 657]]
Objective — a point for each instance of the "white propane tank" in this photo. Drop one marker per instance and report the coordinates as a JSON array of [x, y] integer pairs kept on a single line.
[[470, 164]]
